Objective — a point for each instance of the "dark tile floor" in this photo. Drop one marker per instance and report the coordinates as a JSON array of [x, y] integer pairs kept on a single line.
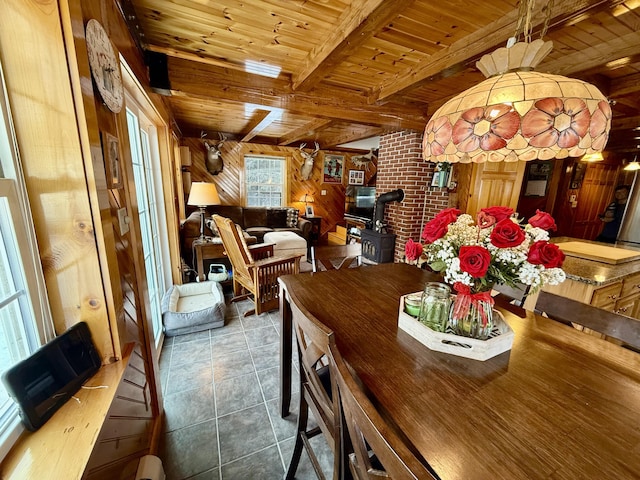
[[220, 392]]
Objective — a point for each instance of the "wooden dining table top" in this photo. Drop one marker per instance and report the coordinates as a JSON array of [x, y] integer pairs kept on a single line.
[[560, 404]]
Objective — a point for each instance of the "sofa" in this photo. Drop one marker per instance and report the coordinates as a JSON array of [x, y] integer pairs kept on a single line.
[[254, 221]]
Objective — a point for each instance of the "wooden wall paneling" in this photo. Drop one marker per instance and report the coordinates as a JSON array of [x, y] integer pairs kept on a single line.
[[46, 125], [129, 424], [132, 441], [230, 181]]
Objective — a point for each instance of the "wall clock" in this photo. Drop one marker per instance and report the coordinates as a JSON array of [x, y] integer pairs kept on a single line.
[[105, 66]]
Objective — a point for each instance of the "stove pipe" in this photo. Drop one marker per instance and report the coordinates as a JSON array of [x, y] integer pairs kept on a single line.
[[378, 216]]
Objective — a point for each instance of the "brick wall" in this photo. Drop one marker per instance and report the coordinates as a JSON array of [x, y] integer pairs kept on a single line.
[[400, 165]]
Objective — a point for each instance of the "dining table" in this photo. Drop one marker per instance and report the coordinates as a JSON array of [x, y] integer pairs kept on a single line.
[[559, 404]]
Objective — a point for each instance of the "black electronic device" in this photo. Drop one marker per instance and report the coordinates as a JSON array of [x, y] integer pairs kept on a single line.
[[360, 204], [43, 382]]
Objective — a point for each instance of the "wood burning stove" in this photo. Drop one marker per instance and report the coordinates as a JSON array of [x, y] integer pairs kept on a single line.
[[377, 245]]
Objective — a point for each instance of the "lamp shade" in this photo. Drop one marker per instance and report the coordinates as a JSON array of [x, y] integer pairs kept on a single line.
[[518, 114], [203, 193], [306, 198]]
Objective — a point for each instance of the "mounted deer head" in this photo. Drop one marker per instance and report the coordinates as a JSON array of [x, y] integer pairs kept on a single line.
[[213, 160], [307, 166]]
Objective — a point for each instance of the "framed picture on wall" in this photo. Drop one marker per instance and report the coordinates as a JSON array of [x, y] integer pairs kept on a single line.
[[332, 168], [356, 177], [111, 154]]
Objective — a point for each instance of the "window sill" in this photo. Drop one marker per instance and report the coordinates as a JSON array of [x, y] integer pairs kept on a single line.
[[62, 446]]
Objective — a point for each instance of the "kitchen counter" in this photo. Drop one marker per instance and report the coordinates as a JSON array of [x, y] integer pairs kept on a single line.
[[593, 272]]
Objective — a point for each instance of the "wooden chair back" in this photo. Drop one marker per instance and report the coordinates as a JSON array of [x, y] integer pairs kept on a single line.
[[620, 327], [235, 247], [370, 433], [335, 257], [318, 393], [515, 295]]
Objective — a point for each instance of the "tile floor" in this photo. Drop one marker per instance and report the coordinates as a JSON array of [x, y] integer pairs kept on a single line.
[[220, 392]]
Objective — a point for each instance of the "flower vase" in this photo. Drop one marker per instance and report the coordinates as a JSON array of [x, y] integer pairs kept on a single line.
[[472, 315]]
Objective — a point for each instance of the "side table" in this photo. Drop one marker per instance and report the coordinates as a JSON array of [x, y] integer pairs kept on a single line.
[[316, 228], [206, 250]]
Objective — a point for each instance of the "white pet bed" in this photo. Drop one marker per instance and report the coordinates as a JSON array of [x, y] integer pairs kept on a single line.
[[192, 307]]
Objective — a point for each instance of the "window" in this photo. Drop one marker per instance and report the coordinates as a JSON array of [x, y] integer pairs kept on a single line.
[[144, 153], [25, 321], [265, 181]]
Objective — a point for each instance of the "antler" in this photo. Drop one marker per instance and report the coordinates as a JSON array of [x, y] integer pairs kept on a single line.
[[302, 145]]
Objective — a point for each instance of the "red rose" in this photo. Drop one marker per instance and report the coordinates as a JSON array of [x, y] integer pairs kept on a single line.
[[506, 234], [545, 253], [434, 230], [448, 215], [543, 220], [474, 260], [438, 227], [412, 250], [500, 213]]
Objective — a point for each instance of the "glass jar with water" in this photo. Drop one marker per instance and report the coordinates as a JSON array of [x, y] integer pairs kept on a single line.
[[435, 305]]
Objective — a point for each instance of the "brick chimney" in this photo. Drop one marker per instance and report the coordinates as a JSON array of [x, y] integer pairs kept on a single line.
[[400, 165]]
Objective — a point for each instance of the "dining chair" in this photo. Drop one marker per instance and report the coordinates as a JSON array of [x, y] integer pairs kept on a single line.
[[335, 257], [378, 451], [255, 268], [622, 328], [515, 295], [318, 395]]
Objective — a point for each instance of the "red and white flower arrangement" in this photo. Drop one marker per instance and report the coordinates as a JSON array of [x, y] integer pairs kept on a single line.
[[497, 249]]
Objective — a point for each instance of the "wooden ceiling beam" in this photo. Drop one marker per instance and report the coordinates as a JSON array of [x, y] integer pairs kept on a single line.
[[260, 120], [604, 52], [358, 22], [306, 130], [625, 123], [485, 39], [625, 86], [349, 135], [208, 83], [172, 52]]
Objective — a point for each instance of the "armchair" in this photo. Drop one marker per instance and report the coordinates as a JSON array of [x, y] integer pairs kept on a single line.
[[255, 269]]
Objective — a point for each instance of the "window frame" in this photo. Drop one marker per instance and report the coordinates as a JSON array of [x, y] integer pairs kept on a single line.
[[285, 159], [24, 255]]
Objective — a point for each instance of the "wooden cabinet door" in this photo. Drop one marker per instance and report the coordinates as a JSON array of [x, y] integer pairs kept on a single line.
[[605, 297], [495, 184]]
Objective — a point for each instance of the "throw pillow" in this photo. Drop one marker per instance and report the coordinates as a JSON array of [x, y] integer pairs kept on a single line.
[[292, 217]]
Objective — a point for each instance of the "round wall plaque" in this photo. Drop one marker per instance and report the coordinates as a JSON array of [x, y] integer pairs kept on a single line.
[[105, 66]]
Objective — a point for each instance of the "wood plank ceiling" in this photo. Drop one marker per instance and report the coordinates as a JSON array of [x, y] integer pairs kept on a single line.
[[352, 69]]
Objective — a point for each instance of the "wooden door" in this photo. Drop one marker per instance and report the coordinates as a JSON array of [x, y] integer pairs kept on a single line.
[[596, 192], [495, 184]]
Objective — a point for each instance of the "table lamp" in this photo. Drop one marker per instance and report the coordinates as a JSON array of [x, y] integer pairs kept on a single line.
[[201, 195]]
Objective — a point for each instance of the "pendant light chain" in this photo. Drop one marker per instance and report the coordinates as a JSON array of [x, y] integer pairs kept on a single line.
[[525, 13]]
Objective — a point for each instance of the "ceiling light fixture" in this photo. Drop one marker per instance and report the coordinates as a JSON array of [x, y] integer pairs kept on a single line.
[[633, 166], [592, 157], [518, 114]]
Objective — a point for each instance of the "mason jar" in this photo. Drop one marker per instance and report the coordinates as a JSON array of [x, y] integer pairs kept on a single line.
[[435, 305]]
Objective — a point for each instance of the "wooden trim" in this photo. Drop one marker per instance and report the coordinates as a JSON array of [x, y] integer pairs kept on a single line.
[[64, 444]]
